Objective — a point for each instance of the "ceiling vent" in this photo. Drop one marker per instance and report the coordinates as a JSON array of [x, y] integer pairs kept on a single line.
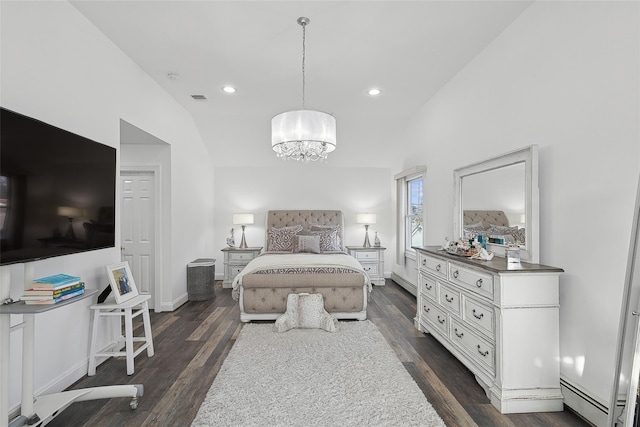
[[199, 97]]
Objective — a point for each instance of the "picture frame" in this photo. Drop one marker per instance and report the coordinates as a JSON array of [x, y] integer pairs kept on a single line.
[[121, 281]]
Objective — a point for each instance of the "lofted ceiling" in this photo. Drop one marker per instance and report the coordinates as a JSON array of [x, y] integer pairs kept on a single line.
[[407, 49]]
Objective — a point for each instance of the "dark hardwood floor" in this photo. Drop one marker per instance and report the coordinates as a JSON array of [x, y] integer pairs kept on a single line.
[[192, 342]]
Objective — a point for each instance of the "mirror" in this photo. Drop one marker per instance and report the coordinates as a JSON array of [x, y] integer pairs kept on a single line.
[[503, 192]]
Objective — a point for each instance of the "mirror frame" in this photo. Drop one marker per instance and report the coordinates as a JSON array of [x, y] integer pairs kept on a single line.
[[528, 156]]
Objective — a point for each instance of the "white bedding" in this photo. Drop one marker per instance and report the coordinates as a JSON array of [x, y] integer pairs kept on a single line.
[[301, 260]]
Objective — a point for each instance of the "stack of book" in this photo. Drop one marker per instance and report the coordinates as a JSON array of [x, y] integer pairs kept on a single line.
[[53, 289]]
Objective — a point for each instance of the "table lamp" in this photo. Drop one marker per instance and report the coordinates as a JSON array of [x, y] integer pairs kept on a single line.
[[366, 219], [243, 219]]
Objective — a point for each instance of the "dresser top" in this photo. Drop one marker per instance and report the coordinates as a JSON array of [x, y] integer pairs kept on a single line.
[[496, 265]]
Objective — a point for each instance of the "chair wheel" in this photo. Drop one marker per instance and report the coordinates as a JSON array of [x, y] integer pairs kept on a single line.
[[134, 403]]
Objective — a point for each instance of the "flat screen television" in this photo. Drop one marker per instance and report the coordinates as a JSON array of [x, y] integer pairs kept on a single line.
[[57, 191]]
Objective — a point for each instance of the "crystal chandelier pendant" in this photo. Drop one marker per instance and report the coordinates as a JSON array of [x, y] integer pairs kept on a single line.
[[304, 135]]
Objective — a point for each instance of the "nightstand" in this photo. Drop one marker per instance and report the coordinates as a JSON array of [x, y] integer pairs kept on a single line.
[[235, 259], [372, 261]]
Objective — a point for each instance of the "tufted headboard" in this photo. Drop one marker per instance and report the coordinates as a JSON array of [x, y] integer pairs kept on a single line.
[[487, 218], [306, 218]]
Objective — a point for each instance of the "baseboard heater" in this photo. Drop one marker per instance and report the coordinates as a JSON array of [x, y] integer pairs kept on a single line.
[[583, 404], [410, 287]]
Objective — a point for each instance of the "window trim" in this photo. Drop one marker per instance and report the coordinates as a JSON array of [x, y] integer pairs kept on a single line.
[[402, 179]]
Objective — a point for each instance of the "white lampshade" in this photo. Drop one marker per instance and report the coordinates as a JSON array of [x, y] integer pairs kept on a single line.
[[69, 211], [303, 133], [366, 218], [242, 219]]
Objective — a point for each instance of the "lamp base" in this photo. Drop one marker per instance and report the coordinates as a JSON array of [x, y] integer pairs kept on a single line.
[[71, 234], [243, 242], [367, 243]]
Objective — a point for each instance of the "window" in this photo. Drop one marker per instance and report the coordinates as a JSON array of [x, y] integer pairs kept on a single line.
[[414, 229], [410, 208]]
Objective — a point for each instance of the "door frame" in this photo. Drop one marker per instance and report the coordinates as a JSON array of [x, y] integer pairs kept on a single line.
[[155, 170]]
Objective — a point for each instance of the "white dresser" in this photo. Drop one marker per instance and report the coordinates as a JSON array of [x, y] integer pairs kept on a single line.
[[235, 260], [500, 320], [372, 261]]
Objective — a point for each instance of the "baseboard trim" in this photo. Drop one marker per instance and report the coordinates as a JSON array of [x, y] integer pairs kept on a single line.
[[176, 303], [410, 287], [58, 384], [583, 403]]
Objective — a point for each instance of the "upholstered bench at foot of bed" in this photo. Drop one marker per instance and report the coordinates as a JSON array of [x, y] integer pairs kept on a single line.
[[345, 299]]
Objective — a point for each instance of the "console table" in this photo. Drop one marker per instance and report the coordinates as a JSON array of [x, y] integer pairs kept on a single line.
[[45, 407]]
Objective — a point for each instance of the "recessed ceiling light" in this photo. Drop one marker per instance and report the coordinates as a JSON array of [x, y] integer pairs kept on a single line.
[[228, 89], [174, 76], [373, 91]]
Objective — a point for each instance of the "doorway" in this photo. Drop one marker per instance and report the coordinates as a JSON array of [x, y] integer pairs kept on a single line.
[[139, 236]]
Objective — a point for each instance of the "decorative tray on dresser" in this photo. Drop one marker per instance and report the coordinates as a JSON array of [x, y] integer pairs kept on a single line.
[[500, 319]]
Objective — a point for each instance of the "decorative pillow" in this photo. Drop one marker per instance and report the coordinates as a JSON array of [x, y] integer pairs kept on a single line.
[[306, 243], [305, 311], [281, 239], [329, 237], [471, 231]]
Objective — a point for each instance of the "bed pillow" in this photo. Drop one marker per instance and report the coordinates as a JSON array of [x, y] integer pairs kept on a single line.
[[305, 311], [306, 243], [471, 231], [281, 239], [329, 237]]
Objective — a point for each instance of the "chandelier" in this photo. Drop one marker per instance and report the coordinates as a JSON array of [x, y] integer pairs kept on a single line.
[[305, 135]]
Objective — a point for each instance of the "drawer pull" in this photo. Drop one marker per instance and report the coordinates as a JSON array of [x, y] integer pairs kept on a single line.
[[426, 309], [438, 267], [479, 283], [424, 262], [455, 274], [440, 320], [476, 316], [367, 269], [446, 296], [459, 335], [483, 353], [428, 286]]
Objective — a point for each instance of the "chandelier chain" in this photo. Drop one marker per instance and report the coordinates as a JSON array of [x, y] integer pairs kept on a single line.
[[304, 53]]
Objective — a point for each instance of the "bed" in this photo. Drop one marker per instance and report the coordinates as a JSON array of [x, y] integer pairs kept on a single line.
[[492, 224], [304, 252]]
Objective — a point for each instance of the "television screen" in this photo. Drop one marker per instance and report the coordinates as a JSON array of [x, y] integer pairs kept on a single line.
[[57, 191]]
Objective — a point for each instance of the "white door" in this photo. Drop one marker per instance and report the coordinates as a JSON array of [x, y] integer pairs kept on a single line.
[[138, 228]]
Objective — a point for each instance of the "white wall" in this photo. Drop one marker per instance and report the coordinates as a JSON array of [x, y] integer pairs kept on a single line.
[[564, 76], [58, 68], [303, 186]]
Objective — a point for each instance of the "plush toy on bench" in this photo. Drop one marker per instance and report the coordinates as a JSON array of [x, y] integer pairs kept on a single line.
[[305, 311]]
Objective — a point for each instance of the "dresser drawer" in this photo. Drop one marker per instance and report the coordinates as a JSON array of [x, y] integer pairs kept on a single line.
[[435, 266], [427, 286], [481, 352], [449, 298], [473, 280], [367, 255], [241, 257], [478, 315], [434, 316]]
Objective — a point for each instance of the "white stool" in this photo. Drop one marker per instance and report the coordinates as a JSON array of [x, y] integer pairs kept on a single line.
[[127, 310]]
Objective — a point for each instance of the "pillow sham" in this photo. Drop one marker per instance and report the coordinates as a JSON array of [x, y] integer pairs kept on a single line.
[[469, 232], [306, 243], [329, 238], [281, 239]]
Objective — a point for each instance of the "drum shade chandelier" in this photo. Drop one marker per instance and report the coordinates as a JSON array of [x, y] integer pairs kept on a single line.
[[305, 135]]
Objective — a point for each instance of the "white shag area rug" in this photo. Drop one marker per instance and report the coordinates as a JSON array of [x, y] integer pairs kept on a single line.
[[309, 377]]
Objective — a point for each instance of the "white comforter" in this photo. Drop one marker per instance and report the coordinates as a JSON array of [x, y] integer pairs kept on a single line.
[[300, 260]]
